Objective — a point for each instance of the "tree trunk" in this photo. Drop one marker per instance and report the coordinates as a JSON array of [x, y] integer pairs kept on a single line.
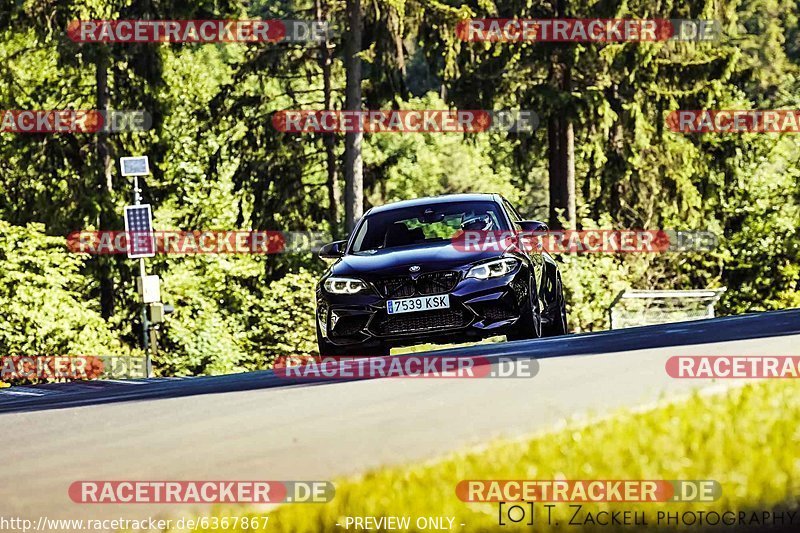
[[561, 140], [106, 187], [334, 197], [561, 159], [567, 154], [554, 169], [353, 164]]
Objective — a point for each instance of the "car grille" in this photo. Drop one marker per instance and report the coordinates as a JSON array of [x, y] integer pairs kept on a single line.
[[424, 321], [398, 287], [423, 285], [497, 311]]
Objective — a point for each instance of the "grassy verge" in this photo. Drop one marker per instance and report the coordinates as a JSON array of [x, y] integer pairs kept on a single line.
[[748, 439], [428, 347]]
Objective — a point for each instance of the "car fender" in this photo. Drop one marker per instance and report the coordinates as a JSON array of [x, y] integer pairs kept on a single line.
[[548, 288]]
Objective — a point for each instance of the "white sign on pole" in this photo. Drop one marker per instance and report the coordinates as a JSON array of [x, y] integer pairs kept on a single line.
[[134, 166], [150, 288]]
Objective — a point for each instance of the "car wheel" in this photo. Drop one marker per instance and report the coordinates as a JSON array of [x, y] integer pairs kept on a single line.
[[529, 326], [558, 317]]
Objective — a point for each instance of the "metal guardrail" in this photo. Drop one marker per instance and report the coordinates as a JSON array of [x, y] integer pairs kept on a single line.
[[662, 306]]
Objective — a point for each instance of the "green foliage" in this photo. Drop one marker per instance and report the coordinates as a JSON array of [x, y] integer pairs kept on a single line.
[[282, 318], [198, 338], [218, 163], [229, 318], [42, 297], [761, 255], [401, 166]]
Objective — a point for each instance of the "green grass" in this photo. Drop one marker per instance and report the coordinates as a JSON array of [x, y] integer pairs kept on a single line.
[[429, 346], [748, 439]]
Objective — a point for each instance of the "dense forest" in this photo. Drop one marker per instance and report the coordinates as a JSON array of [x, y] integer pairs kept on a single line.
[[602, 157]]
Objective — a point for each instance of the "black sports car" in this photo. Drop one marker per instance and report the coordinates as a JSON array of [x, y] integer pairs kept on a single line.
[[400, 279]]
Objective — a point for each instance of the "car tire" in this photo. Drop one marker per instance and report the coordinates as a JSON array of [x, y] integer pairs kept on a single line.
[[529, 326], [558, 317]]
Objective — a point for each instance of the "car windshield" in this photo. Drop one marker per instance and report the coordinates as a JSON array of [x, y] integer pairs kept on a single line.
[[424, 224]]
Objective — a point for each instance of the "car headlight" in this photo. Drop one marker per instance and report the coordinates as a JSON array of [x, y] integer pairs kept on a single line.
[[344, 285], [493, 269]]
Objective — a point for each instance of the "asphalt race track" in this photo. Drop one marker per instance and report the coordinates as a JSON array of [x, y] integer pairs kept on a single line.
[[259, 426], [62, 395]]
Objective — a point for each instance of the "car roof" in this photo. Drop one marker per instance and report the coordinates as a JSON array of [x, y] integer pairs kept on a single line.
[[431, 200]]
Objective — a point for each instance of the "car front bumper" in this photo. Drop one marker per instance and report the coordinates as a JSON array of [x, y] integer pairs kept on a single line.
[[478, 309]]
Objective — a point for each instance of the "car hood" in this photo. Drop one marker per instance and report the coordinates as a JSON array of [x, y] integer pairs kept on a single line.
[[394, 261]]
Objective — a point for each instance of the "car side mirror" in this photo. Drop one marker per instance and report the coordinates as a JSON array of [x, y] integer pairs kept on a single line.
[[333, 250], [533, 225], [532, 242]]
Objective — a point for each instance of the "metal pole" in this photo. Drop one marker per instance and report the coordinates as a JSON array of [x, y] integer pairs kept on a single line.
[[145, 326], [136, 197], [145, 323]]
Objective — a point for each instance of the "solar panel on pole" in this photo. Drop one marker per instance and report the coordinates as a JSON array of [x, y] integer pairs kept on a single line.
[[139, 230]]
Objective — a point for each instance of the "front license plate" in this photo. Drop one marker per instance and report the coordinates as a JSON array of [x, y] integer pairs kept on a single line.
[[423, 303]]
